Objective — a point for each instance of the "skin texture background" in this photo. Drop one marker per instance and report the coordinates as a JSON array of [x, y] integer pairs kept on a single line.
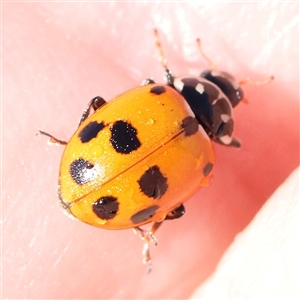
[[56, 57]]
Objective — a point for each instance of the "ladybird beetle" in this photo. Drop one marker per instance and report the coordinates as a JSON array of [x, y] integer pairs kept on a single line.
[[140, 156]]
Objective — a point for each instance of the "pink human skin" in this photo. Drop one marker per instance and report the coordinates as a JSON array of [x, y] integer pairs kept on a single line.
[[56, 57]]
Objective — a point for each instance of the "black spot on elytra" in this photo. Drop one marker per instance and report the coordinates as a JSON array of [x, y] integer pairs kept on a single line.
[[152, 183], [106, 207], [190, 125], [124, 137], [82, 171], [144, 215], [207, 169], [90, 131], [158, 89]]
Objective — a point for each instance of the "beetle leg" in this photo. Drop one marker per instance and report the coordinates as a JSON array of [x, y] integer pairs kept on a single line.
[[53, 140], [148, 237], [95, 103], [176, 213], [147, 81]]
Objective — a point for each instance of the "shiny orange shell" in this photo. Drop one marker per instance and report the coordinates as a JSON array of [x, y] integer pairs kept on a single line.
[[135, 159]]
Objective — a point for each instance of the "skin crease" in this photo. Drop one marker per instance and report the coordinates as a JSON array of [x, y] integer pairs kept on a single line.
[[56, 57]]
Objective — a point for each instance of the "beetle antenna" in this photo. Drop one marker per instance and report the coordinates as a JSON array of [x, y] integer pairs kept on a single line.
[[161, 55], [212, 65], [257, 82]]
